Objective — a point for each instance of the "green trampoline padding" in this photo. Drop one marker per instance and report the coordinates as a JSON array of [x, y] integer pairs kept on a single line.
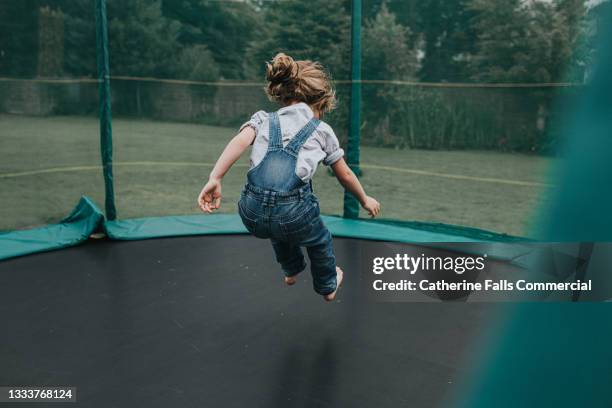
[[86, 218], [75, 228]]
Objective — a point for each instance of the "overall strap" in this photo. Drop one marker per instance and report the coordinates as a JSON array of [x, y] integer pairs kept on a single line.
[[300, 138], [276, 136]]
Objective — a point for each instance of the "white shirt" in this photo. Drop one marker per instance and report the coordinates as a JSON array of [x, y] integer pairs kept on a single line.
[[321, 146]]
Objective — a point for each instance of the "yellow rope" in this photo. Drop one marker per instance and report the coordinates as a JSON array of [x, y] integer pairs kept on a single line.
[[197, 164], [455, 176], [116, 164], [342, 81]]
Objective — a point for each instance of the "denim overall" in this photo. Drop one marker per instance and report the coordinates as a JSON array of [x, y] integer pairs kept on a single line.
[[278, 205]]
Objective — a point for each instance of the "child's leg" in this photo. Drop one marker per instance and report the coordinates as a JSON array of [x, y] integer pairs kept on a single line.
[[291, 259], [322, 260]]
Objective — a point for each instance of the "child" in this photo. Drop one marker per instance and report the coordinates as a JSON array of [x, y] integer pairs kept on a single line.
[[277, 201]]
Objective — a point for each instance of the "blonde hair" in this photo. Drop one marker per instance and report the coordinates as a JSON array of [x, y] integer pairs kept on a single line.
[[299, 81]]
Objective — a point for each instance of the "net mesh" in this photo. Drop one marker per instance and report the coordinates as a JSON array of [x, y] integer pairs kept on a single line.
[[49, 143], [450, 130]]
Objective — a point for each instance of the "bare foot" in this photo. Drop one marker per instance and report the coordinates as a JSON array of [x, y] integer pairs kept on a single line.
[[339, 279], [290, 280]]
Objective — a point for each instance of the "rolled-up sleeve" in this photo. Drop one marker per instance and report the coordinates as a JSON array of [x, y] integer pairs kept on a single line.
[[256, 121], [333, 151]]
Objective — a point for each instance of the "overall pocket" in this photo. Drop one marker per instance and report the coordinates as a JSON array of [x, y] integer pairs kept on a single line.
[[298, 228], [252, 222]]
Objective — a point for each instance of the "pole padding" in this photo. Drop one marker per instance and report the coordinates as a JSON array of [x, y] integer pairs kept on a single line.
[[106, 129], [351, 205]]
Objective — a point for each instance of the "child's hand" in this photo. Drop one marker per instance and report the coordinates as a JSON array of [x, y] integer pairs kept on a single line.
[[371, 206], [210, 196]]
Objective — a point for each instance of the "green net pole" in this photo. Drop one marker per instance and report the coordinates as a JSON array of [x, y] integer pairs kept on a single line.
[[106, 130], [351, 205]]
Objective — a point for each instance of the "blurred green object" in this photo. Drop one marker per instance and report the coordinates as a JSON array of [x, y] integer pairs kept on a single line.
[[581, 209], [547, 355], [559, 355]]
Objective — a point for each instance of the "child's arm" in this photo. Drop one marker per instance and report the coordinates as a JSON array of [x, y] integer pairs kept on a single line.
[[210, 196], [349, 181]]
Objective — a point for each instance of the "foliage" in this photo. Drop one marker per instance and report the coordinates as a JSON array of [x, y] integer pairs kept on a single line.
[[523, 41], [479, 41], [142, 41], [226, 28], [18, 37], [455, 40], [197, 63], [588, 35], [316, 30], [387, 54], [387, 48], [448, 40]]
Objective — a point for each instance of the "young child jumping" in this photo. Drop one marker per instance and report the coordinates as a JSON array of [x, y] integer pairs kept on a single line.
[[277, 201]]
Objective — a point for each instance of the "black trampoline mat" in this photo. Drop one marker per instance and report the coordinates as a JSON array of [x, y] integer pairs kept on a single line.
[[207, 322]]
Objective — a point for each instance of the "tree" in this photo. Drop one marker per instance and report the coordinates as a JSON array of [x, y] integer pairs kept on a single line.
[[501, 40], [18, 38], [523, 41], [225, 28], [388, 52], [79, 35], [448, 38], [196, 63], [142, 42], [316, 30], [586, 40], [407, 12]]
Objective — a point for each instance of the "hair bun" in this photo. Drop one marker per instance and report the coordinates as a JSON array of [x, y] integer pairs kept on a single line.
[[305, 81], [282, 69]]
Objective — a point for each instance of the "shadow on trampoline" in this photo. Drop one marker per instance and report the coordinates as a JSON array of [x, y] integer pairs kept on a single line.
[[305, 380]]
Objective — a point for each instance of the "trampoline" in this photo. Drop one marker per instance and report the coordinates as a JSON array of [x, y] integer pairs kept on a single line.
[[139, 302], [207, 321]]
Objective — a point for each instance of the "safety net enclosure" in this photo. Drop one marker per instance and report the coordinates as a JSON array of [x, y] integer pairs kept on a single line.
[[447, 120], [472, 121], [49, 143], [452, 113]]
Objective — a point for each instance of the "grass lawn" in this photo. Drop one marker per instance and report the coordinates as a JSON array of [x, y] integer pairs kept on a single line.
[[48, 163]]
